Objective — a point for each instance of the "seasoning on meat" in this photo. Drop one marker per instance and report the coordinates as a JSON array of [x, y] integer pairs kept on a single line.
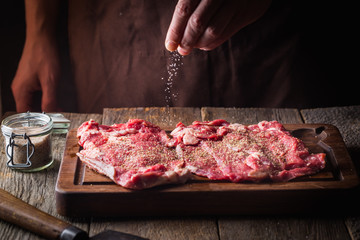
[[246, 153], [134, 155], [140, 155]]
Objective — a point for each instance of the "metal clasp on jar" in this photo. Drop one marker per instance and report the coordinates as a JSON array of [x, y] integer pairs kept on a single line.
[[30, 149]]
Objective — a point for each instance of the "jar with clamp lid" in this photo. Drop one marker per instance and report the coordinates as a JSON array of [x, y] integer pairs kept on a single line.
[[28, 141]]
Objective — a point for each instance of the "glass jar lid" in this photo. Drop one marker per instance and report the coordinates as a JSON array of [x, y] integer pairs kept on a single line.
[[30, 123]]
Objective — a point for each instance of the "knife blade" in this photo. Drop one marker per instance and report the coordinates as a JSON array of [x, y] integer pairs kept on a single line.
[[18, 212]]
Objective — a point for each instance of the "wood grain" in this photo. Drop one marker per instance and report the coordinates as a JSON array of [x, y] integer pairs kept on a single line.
[[38, 189], [166, 118], [16, 211], [287, 227], [77, 119], [251, 115], [347, 119], [161, 228]]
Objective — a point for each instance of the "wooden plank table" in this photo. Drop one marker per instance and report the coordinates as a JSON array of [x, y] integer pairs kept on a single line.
[[38, 189]]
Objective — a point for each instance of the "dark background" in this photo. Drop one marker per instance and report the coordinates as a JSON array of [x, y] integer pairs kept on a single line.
[[328, 29], [12, 32]]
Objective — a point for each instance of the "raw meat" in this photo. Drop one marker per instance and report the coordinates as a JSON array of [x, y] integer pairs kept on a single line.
[[134, 155], [245, 153], [140, 155], [190, 140]]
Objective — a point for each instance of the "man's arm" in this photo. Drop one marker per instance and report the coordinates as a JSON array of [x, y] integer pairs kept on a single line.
[[39, 67]]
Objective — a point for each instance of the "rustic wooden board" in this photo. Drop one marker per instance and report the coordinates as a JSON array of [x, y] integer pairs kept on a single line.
[[82, 192]]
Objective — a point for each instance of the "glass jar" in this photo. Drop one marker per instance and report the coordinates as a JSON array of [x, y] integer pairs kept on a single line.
[[28, 141]]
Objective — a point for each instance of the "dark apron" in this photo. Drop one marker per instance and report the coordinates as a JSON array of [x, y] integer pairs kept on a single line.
[[119, 60]]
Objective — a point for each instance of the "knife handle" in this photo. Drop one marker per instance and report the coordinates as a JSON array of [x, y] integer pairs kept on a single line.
[[18, 212]]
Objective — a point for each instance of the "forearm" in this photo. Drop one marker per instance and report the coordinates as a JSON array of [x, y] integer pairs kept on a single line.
[[41, 18], [39, 67]]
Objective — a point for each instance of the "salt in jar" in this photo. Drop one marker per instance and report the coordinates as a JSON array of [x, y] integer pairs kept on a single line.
[[28, 141]]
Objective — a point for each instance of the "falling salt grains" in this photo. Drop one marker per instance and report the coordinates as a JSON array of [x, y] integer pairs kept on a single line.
[[173, 68]]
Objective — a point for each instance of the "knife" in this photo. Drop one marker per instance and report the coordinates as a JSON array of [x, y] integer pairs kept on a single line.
[[18, 212]]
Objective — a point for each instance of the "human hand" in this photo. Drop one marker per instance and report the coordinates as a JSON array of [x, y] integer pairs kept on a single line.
[[206, 24], [38, 70]]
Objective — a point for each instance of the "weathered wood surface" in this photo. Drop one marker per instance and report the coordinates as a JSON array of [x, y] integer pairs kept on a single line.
[[166, 118], [251, 115], [347, 120], [38, 188]]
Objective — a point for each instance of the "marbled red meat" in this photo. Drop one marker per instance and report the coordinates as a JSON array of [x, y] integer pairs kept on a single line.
[[247, 153], [140, 155], [189, 141], [134, 155]]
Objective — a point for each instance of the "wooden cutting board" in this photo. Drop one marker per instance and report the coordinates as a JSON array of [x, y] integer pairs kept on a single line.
[[83, 192]]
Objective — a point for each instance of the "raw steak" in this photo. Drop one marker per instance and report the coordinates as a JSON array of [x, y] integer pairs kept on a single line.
[[134, 155], [244, 153], [140, 155], [190, 140]]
